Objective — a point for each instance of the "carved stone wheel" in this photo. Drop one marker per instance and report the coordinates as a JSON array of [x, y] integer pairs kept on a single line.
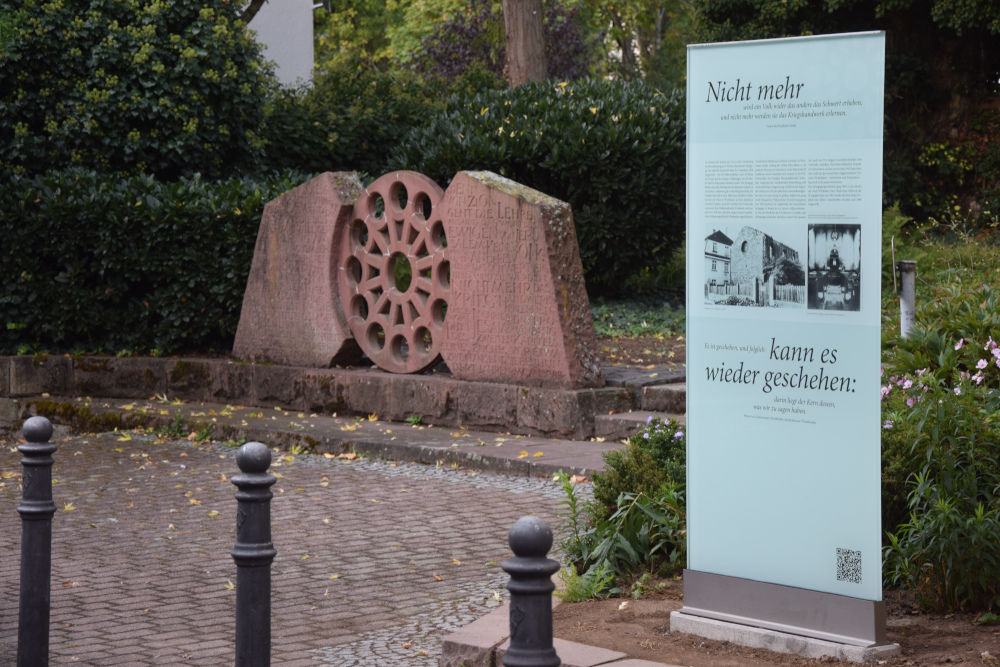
[[394, 273]]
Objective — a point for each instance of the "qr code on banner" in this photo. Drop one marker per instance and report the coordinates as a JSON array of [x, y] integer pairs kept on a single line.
[[849, 566]]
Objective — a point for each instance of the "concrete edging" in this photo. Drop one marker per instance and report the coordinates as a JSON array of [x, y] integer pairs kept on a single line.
[[780, 642], [483, 643]]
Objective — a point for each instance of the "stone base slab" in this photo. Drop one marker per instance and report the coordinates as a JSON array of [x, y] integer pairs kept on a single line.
[[780, 642], [436, 398], [483, 643]]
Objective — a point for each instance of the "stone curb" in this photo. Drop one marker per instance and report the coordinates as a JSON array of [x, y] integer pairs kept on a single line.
[[780, 642], [483, 643], [477, 450], [436, 398]]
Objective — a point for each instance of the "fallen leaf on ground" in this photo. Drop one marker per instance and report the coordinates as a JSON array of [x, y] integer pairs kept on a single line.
[[349, 427], [407, 644], [349, 456], [334, 576], [537, 454], [455, 561], [213, 513], [576, 479], [328, 455], [523, 455], [68, 507], [372, 417], [438, 577]]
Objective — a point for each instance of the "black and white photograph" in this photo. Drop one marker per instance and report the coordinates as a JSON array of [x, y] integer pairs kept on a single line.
[[835, 267], [759, 265]]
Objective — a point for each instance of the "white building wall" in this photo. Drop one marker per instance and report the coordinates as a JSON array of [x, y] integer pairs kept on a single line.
[[285, 28]]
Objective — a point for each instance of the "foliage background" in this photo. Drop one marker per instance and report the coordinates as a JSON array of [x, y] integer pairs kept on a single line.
[[123, 86]]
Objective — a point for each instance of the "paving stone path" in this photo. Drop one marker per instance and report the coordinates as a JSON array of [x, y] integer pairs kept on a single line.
[[142, 573]]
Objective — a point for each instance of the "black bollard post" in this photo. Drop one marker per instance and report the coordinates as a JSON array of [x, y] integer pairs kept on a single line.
[[253, 554], [530, 588], [36, 510]]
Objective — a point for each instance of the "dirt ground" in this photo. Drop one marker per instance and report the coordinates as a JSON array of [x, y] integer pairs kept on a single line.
[[642, 630], [642, 351]]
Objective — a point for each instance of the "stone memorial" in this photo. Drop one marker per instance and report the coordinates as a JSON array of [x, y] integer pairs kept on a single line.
[[517, 310], [394, 272], [292, 311]]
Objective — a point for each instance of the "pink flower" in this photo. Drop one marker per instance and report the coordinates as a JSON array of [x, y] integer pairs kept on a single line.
[[893, 378], [885, 391], [887, 425], [996, 352], [881, 372], [911, 401], [978, 377], [997, 362], [679, 435], [907, 384], [958, 392], [990, 345], [921, 372], [981, 364], [961, 342]]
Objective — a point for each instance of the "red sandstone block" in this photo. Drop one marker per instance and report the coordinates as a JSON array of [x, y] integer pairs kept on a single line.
[[518, 311], [483, 405], [556, 413], [112, 377], [367, 392], [292, 312], [214, 380], [322, 392], [39, 374], [278, 385], [429, 397]]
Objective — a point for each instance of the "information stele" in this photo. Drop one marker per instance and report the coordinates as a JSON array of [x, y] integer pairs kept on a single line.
[[784, 196]]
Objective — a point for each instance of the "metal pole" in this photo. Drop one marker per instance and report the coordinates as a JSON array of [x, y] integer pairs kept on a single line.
[[253, 554], [36, 510], [530, 588], [907, 296]]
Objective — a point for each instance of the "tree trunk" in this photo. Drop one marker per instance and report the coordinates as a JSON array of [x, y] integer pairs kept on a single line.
[[251, 10], [525, 38]]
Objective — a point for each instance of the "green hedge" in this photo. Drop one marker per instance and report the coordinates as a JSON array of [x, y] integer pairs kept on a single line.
[[91, 264], [613, 150], [352, 119], [167, 88]]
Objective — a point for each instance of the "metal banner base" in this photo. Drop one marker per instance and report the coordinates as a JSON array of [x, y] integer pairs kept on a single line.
[[784, 609], [780, 642]]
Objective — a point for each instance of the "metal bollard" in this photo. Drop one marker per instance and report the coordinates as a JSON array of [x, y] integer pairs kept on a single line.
[[253, 554], [907, 295], [530, 588], [36, 510]]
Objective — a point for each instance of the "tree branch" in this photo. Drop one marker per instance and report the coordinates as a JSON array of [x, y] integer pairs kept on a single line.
[[252, 10]]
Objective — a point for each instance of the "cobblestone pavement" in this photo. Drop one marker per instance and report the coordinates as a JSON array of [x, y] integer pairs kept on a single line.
[[142, 573]]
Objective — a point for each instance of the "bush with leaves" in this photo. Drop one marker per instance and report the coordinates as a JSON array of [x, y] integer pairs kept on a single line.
[[949, 551], [612, 150], [353, 118], [654, 457], [646, 533], [132, 263], [165, 88]]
